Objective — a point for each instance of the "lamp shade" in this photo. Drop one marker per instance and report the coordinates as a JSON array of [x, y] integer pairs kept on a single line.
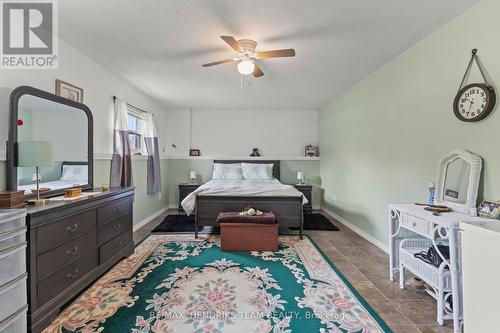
[[34, 153], [300, 175], [192, 174]]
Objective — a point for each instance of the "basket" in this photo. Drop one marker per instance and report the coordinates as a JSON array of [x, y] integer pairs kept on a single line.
[[427, 272], [248, 237]]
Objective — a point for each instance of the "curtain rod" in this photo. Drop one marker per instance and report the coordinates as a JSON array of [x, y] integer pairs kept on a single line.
[[135, 107]]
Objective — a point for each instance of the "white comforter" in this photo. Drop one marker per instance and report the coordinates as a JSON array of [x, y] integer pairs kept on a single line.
[[236, 188]]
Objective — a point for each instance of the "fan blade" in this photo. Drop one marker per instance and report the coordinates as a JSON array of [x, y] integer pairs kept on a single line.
[[276, 53], [232, 42], [218, 62], [257, 72]]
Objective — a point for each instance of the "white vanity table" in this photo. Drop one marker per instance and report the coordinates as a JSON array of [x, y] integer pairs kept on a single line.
[[412, 229]]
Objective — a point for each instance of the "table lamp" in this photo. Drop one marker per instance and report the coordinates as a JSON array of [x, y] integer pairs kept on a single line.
[[35, 154], [300, 177], [192, 176]]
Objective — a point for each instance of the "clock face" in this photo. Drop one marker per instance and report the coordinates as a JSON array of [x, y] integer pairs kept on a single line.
[[474, 102]]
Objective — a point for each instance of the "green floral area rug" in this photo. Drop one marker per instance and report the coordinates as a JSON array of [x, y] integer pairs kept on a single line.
[[176, 284]]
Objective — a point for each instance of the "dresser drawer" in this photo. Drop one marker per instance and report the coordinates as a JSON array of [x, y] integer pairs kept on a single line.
[[59, 281], [57, 233], [114, 228], [114, 210], [417, 225], [107, 250], [54, 260]]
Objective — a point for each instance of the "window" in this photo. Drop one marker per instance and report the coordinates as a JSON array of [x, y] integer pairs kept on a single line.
[[135, 123]]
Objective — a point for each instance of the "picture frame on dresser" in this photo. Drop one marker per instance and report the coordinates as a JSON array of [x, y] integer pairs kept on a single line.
[[489, 208]]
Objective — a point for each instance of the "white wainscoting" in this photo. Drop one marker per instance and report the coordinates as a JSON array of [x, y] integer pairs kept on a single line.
[[357, 230], [150, 218]]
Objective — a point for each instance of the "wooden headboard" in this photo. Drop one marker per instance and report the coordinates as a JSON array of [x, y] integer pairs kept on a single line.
[[276, 164]]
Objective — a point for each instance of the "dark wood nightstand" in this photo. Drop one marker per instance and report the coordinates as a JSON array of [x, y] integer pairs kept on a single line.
[[307, 191], [184, 191]]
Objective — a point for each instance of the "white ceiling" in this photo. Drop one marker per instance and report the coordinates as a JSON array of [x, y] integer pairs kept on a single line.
[[159, 46]]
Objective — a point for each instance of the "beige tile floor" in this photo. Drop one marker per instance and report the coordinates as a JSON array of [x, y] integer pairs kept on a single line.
[[367, 268]]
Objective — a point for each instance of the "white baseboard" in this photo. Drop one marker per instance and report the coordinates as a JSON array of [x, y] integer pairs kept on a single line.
[[150, 218], [357, 230]]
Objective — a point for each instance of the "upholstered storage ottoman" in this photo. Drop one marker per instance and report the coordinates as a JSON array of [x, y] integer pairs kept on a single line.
[[248, 233]]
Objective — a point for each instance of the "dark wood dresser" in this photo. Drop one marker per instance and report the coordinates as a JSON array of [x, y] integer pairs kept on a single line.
[[71, 244]]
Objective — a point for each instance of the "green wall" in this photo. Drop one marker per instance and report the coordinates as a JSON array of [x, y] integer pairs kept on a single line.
[[382, 139], [144, 204], [178, 172]]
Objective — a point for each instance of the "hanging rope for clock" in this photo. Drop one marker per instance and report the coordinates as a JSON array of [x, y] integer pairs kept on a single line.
[[475, 58]]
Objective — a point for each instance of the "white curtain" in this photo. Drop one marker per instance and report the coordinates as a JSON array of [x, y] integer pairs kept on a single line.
[[121, 162], [151, 140]]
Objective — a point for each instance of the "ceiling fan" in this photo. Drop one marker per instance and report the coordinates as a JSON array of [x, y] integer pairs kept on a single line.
[[247, 56]]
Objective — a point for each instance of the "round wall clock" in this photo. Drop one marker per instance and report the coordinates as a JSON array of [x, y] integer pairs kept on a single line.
[[474, 102]]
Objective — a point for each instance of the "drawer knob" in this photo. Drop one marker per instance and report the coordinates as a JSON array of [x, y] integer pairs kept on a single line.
[[117, 227], [73, 275], [414, 224], [72, 228], [117, 209], [73, 251], [119, 244]]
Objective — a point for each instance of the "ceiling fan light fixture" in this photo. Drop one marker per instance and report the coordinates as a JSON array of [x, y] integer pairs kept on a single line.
[[246, 67]]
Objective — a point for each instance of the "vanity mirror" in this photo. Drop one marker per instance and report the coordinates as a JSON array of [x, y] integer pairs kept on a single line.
[[50, 138], [457, 181]]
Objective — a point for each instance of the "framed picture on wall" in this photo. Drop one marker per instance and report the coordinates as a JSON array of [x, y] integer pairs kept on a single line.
[[194, 152], [69, 91]]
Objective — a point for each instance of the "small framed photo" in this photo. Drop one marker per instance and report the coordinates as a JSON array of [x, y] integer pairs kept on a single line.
[[194, 152], [489, 209], [311, 151], [69, 91]]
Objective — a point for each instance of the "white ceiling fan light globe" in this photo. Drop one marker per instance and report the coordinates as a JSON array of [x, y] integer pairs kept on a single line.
[[246, 67]]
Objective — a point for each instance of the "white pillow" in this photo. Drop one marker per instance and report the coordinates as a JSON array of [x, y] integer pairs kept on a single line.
[[230, 171], [255, 171], [76, 173]]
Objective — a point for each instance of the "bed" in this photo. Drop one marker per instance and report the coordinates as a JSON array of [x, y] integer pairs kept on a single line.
[[73, 174], [217, 196]]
